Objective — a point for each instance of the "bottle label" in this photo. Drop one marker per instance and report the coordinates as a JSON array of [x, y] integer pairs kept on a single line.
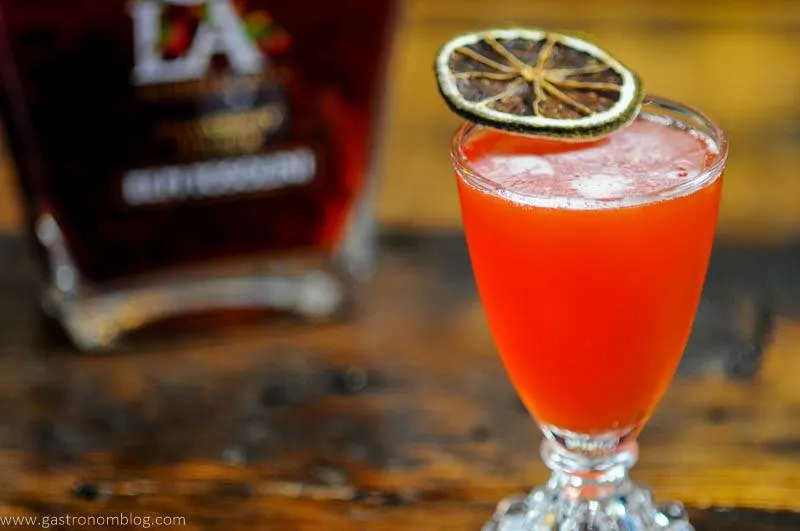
[[219, 28], [213, 60]]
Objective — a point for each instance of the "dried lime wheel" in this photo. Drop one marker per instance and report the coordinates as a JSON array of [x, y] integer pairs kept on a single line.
[[537, 82]]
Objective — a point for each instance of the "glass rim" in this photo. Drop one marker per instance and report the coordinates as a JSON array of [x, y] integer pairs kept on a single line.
[[685, 115]]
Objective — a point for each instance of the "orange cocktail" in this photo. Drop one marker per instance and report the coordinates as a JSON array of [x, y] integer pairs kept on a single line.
[[589, 208], [590, 260]]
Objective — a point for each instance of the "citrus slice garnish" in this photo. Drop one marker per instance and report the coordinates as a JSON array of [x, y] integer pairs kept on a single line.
[[537, 82]]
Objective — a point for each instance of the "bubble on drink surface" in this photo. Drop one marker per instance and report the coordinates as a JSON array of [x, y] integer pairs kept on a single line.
[[642, 149], [601, 185], [505, 166], [680, 171]]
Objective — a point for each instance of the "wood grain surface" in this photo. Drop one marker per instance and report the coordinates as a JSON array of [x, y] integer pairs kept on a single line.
[[400, 417]]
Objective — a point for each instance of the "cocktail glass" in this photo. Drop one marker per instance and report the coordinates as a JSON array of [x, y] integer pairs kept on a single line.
[[590, 260]]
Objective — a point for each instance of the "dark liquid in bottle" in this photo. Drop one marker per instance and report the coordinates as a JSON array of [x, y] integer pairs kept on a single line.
[[159, 134]]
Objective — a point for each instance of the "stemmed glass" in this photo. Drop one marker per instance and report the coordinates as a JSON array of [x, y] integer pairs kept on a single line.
[[590, 285]]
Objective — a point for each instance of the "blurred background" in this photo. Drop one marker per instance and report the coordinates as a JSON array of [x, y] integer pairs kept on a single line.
[[736, 60]]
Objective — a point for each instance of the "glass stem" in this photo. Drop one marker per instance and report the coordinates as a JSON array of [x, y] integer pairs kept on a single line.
[[589, 477], [589, 489]]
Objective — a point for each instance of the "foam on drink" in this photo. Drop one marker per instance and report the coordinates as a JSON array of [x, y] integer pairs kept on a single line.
[[647, 159]]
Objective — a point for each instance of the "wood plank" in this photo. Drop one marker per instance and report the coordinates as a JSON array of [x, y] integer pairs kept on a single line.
[[249, 428], [769, 15], [10, 200]]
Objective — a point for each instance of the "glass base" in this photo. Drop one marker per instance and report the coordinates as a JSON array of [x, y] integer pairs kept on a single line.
[[545, 509], [588, 497], [97, 317]]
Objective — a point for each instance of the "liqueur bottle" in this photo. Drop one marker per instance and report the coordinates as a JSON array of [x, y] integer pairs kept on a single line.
[[185, 156]]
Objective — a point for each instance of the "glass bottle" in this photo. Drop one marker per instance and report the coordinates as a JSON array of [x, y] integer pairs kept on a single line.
[[184, 156]]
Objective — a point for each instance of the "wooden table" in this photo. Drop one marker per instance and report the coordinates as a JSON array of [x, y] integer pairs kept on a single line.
[[400, 417]]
